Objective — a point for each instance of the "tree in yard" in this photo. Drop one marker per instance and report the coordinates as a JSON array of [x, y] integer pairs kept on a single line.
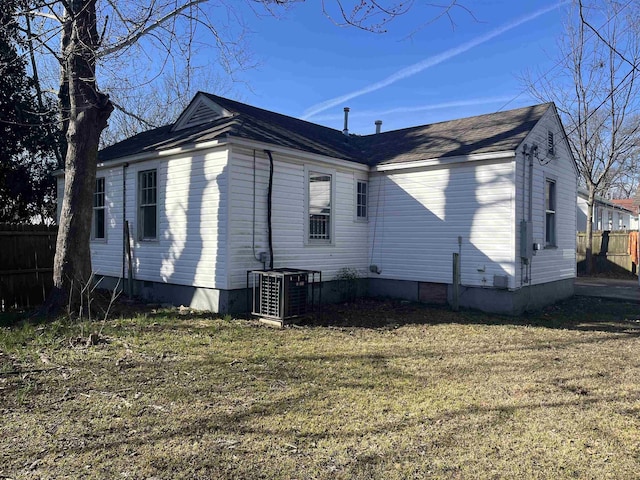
[[124, 38], [27, 129], [596, 93]]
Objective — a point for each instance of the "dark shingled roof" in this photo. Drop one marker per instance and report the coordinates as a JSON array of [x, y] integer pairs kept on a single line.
[[493, 132]]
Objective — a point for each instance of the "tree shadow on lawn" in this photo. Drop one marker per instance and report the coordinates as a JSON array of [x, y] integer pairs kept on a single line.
[[229, 429], [576, 313]]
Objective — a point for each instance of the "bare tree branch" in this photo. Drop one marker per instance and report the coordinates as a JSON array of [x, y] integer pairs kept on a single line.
[[596, 93], [137, 35], [597, 33]]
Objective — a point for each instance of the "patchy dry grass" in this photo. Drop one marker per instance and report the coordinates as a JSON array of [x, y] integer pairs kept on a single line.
[[419, 392]]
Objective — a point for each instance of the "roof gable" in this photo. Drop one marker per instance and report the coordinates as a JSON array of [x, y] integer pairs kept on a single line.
[[201, 110], [209, 117]]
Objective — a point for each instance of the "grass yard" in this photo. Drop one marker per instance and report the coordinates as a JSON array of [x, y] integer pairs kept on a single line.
[[372, 390]]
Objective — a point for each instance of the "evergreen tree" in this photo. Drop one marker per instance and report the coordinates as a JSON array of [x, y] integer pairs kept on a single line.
[[28, 133]]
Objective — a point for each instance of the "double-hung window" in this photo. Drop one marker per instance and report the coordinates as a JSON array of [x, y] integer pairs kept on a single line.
[[98, 221], [320, 208], [361, 200], [550, 212], [147, 205]]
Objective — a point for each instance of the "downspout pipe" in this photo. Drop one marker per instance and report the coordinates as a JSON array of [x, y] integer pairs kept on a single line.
[[124, 218], [269, 209], [534, 151], [524, 181]]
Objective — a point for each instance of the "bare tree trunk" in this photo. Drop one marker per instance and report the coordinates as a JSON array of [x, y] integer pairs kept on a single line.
[[589, 233], [89, 111]]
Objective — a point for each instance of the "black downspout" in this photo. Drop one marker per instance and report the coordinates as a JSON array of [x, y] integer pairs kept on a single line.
[[124, 218], [269, 203]]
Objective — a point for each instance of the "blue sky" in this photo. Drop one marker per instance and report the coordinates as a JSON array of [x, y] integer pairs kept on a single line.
[[308, 67]]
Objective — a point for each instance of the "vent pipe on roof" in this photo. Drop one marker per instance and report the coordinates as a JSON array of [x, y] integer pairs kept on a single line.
[[346, 121], [378, 125]]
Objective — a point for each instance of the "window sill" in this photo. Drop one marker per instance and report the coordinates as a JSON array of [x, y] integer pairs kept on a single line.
[[319, 243], [550, 247]]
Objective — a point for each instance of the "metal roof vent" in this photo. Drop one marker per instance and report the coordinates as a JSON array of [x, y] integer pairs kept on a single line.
[[378, 125], [346, 121]]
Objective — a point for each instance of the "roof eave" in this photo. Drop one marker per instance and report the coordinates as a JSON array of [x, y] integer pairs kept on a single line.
[[473, 157], [292, 152]]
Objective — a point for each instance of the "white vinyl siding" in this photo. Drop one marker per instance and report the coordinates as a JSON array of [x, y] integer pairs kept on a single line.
[[292, 249], [416, 217], [212, 218], [559, 263], [191, 198], [106, 256]]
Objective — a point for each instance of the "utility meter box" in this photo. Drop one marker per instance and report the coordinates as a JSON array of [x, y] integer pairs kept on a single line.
[[526, 240]]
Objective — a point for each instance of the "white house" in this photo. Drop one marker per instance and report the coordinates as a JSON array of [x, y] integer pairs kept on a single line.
[[230, 188], [608, 215]]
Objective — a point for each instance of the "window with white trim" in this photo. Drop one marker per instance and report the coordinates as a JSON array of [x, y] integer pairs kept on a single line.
[[550, 212], [361, 199], [98, 229], [319, 206], [147, 205]]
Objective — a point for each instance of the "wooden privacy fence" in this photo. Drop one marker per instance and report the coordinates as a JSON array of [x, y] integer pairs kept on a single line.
[[26, 264], [610, 252]]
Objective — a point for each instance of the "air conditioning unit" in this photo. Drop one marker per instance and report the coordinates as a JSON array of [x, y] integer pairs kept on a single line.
[[281, 293]]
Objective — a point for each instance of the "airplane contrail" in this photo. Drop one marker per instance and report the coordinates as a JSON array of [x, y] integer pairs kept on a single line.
[[429, 62], [417, 108]]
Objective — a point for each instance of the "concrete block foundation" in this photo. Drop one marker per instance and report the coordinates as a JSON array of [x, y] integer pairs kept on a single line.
[[492, 300]]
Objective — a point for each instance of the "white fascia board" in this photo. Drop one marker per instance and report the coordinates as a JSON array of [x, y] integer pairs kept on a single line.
[[141, 157], [292, 152], [476, 157]]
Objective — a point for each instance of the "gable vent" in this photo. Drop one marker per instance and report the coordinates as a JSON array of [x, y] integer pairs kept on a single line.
[[199, 112], [551, 149], [202, 114]]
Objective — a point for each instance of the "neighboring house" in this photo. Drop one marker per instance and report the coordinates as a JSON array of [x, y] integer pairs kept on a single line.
[[607, 214], [628, 203], [498, 189]]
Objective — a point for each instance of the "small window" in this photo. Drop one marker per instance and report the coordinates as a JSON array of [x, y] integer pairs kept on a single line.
[[551, 149], [361, 200], [319, 206], [550, 213], [98, 221], [147, 201]]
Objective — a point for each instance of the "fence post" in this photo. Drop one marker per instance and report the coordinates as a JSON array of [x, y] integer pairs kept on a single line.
[[456, 282]]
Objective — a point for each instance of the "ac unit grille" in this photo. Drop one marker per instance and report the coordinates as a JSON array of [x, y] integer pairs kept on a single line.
[[270, 296], [280, 294]]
